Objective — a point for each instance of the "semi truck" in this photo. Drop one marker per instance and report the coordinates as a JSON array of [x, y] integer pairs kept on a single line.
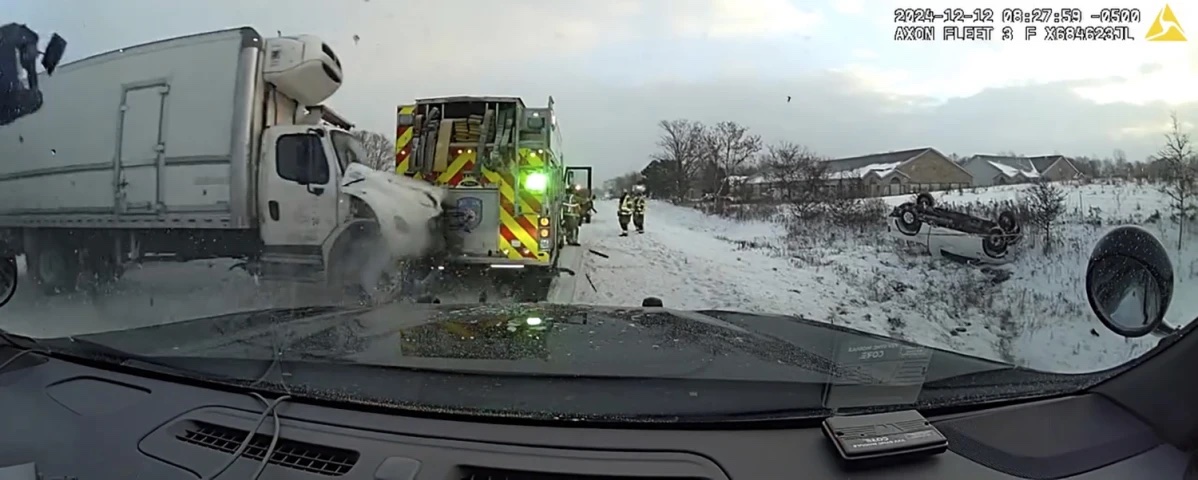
[[215, 145], [504, 168]]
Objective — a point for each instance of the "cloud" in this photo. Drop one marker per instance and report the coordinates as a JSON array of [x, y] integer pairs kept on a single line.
[[848, 7], [616, 68], [838, 115], [730, 19], [400, 36]]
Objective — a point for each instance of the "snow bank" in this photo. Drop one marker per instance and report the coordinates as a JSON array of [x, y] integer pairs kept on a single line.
[[1038, 317]]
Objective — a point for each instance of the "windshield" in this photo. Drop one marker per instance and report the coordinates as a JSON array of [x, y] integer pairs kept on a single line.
[[941, 179]]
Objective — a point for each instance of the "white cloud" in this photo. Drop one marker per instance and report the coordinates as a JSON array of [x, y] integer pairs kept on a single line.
[[864, 53], [884, 95], [848, 7], [727, 19]]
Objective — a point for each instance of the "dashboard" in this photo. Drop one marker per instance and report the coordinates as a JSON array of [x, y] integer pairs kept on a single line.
[[65, 420]]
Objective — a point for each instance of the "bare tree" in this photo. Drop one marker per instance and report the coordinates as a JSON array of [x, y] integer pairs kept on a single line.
[[1045, 202], [799, 173], [379, 150], [680, 143], [1179, 174], [726, 148]]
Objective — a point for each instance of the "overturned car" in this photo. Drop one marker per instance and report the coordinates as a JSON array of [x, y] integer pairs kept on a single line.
[[955, 235]]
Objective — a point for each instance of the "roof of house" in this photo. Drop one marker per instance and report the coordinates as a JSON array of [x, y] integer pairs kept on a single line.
[[1030, 167], [880, 164]]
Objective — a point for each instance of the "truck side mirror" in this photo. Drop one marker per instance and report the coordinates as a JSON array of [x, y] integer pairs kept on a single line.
[[54, 51], [1129, 282]]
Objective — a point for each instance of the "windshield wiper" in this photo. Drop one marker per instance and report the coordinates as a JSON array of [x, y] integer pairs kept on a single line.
[[77, 348]]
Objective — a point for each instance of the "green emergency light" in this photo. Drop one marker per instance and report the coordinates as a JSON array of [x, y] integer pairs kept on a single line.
[[536, 182]]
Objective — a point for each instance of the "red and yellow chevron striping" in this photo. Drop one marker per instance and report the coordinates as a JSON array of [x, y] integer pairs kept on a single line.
[[518, 235], [403, 140]]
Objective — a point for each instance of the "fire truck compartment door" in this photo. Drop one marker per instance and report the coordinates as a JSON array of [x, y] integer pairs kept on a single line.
[[474, 222]]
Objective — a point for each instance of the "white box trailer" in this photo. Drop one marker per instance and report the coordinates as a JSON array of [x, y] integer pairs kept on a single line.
[[202, 146], [149, 136]]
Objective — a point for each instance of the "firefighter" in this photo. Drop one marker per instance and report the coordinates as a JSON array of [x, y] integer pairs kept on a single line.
[[638, 208], [572, 210], [588, 204], [632, 207]]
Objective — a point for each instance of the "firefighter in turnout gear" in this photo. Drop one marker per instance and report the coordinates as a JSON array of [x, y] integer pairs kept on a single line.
[[632, 207], [588, 204], [571, 215]]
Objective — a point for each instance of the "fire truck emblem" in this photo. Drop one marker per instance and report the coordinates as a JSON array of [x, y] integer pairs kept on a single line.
[[468, 213]]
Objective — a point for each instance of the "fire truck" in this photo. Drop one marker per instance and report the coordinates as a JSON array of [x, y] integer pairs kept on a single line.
[[503, 166]]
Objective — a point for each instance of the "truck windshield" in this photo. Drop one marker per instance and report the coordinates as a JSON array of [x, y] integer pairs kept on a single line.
[[349, 149]]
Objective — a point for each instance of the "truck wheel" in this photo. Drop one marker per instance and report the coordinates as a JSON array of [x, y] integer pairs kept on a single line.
[[354, 254], [8, 279], [995, 243], [908, 219], [53, 267], [925, 200], [105, 266]]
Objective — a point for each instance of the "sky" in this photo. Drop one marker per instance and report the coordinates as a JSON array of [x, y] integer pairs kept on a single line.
[[617, 67]]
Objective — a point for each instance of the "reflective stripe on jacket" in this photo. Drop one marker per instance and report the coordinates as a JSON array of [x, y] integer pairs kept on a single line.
[[627, 204], [571, 205]]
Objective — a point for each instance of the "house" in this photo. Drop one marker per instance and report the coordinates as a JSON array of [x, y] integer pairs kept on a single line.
[[990, 170], [897, 173]]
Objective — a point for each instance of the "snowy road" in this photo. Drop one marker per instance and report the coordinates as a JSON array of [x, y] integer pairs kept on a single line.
[[686, 258], [156, 293], [1037, 318]]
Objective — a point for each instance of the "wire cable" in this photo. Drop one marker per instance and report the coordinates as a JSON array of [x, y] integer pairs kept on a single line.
[[245, 444], [274, 437], [14, 358]]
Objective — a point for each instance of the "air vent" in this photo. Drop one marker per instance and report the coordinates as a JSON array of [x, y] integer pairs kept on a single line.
[[472, 473], [289, 454]]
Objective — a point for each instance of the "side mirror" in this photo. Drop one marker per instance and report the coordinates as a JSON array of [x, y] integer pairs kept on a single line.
[[1129, 282], [8, 279], [54, 51]]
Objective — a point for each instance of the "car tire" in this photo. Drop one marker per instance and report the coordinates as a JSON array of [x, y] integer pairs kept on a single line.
[[1010, 225], [52, 265], [1006, 221], [907, 219], [995, 243], [925, 200]]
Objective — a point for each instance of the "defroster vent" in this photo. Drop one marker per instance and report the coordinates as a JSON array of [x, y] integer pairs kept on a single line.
[[472, 473], [288, 453]]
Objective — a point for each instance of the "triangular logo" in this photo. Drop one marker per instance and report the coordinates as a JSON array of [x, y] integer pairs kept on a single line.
[[1165, 28]]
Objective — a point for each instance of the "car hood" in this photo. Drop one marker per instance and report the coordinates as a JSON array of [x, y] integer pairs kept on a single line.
[[546, 339]]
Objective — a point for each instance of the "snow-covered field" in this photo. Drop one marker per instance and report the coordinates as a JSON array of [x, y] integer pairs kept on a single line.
[[1038, 317]]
